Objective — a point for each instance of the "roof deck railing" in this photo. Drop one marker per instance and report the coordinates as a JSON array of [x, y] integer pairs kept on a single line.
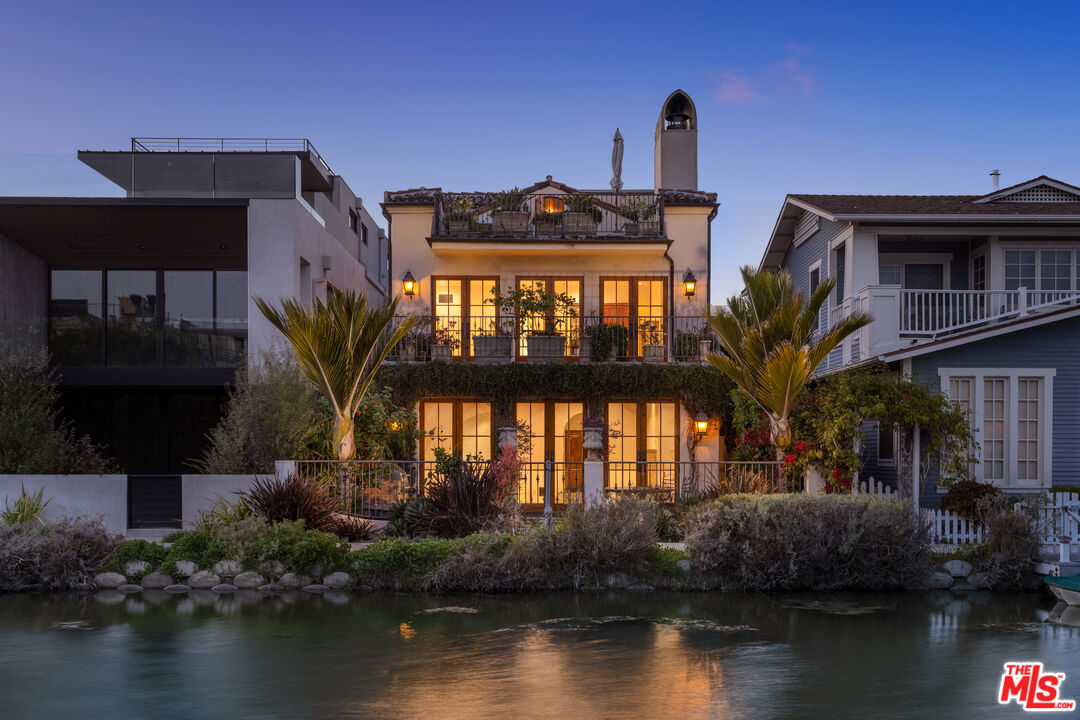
[[158, 144]]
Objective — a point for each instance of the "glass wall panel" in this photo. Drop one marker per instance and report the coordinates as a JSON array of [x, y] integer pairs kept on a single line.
[[189, 318], [438, 428], [231, 318], [476, 430], [449, 312], [131, 297], [76, 335]]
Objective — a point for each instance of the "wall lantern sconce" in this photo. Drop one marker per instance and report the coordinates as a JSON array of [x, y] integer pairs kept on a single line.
[[689, 284], [408, 284], [701, 426]]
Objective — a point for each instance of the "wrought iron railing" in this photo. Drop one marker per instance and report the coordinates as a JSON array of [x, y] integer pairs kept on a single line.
[[567, 481], [550, 215], [367, 487], [502, 338], [668, 480]]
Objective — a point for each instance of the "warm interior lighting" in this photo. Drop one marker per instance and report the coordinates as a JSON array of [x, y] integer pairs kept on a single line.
[[689, 284], [701, 425], [552, 204], [408, 284]]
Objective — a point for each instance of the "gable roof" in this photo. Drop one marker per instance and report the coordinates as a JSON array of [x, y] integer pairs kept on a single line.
[[1037, 199]]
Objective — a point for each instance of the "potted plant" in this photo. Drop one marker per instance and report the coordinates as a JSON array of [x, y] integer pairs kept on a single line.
[[580, 215], [459, 215], [652, 336], [542, 339], [546, 223], [640, 217], [604, 342], [510, 215], [493, 341], [443, 341], [594, 428]]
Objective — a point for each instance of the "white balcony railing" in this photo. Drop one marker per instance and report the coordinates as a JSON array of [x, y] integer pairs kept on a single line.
[[902, 317]]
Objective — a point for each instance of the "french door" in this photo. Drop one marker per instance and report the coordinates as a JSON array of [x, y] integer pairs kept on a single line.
[[553, 429], [644, 444], [639, 305], [462, 308], [562, 323], [462, 428]]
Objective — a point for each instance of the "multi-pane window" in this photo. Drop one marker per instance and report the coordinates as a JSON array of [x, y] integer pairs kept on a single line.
[[463, 310], [889, 274], [961, 392], [978, 272], [994, 426], [1055, 269], [555, 428], [1044, 270], [648, 432], [1027, 429], [815, 281], [460, 427]]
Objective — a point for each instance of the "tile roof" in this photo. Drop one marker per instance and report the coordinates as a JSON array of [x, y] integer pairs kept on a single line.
[[931, 205]]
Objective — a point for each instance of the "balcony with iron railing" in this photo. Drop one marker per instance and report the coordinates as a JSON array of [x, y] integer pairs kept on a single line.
[[494, 339], [636, 216]]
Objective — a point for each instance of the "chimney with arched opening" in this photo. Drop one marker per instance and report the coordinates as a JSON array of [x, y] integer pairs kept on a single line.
[[675, 153]]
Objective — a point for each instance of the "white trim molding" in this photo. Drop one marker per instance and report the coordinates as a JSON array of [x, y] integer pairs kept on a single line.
[[1011, 376]]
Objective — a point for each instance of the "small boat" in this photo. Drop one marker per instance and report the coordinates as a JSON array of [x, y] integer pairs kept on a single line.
[[1066, 589]]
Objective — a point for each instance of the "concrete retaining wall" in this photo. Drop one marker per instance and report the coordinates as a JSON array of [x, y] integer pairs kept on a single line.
[[200, 492], [72, 495]]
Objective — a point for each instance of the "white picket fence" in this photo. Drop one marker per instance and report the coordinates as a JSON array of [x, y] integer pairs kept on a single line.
[[1060, 520], [875, 488]]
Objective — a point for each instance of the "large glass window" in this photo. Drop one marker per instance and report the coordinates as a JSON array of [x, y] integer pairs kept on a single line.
[[1019, 269], [644, 444], [1027, 429], [461, 428], [994, 424], [639, 305], [151, 317], [132, 334], [554, 427], [978, 272], [463, 308], [1055, 270], [76, 335], [566, 324]]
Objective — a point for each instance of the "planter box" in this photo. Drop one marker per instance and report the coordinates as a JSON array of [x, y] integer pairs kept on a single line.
[[492, 349], [653, 353], [408, 351], [511, 222], [442, 352], [631, 228], [650, 228], [588, 355], [457, 226], [545, 228], [545, 348], [579, 223]]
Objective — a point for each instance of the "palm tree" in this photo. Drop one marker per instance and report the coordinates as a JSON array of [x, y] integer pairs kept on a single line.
[[339, 347], [769, 345]]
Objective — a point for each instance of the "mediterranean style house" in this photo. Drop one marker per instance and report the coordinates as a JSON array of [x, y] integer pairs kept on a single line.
[[562, 276], [145, 301], [976, 294]]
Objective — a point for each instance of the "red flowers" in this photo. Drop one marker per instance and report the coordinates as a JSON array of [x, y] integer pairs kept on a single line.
[[800, 446], [789, 459]]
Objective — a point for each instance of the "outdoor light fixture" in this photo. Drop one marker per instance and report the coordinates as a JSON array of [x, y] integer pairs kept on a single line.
[[689, 284], [701, 425], [408, 284]]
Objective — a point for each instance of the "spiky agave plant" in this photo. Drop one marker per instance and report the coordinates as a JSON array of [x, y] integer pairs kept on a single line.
[[769, 346], [339, 346]]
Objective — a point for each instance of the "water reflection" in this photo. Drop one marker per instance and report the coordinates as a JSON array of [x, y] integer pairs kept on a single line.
[[556, 656]]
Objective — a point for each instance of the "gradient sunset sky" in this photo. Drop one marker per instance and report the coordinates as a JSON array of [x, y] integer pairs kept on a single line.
[[884, 98]]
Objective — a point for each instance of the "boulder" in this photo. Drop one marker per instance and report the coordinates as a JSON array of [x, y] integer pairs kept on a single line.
[[337, 580], [156, 580], [177, 588], [224, 588], [136, 567], [83, 587], [203, 580], [129, 589], [186, 568], [938, 581], [228, 568], [109, 580], [249, 580], [292, 580], [272, 568], [315, 588], [958, 568], [978, 580], [618, 581], [683, 565]]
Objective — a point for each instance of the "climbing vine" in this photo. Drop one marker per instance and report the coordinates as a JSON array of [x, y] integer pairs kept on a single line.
[[827, 420]]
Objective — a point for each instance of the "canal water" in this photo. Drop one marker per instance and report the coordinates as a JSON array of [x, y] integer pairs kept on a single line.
[[654, 655]]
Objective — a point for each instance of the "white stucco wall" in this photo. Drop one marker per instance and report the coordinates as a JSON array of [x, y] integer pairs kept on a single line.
[[200, 492]]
